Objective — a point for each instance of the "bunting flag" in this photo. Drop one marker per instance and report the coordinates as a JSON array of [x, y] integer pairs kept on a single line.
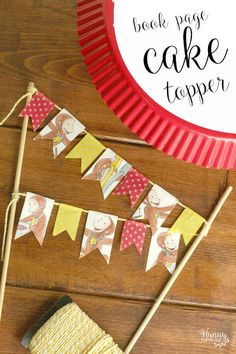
[[133, 184], [35, 216], [187, 224], [133, 234], [157, 205], [88, 149], [62, 130], [38, 109], [163, 249], [68, 219], [109, 169], [99, 234], [100, 229]]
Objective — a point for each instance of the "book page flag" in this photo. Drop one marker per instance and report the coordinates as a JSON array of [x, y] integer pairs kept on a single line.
[[34, 217], [38, 109], [62, 130], [109, 169], [68, 219], [88, 149], [163, 249], [133, 234], [133, 184], [99, 234], [157, 205], [187, 224]]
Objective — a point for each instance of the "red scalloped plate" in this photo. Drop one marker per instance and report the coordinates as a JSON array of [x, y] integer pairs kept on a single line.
[[133, 106]]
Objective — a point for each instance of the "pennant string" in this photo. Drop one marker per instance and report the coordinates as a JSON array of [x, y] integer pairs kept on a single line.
[[57, 107], [18, 195], [15, 199], [87, 211], [181, 204], [34, 90]]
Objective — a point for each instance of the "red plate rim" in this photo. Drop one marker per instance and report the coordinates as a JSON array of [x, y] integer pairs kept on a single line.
[[133, 106]]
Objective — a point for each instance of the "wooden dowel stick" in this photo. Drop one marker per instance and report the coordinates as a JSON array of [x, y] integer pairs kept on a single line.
[[7, 249], [178, 270]]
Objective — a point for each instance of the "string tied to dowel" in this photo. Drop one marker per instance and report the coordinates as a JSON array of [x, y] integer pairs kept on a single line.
[[15, 198], [31, 92]]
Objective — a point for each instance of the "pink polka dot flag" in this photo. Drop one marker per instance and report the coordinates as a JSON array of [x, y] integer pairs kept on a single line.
[[133, 234], [133, 184], [38, 109]]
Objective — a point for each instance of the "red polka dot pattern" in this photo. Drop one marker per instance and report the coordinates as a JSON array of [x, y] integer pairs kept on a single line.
[[133, 234], [38, 109], [133, 184]]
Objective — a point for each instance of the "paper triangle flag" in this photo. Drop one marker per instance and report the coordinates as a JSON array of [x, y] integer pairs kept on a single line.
[[62, 130], [133, 234], [38, 109], [99, 234], [133, 184], [163, 249], [187, 224], [68, 219], [88, 149], [35, 216], [157, 205], [109, 169]]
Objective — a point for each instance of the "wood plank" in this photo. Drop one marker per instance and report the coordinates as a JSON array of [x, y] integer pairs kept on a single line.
[[56, 265], [55, 64], [168, 333]]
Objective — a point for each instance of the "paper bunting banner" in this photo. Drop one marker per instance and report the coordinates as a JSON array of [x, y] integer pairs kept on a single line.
[[163, 249], [35, 216], [68, 219], [109, 169], [62, 130], [133, 234], [88, 149], [187, 224], [133, 184], [156, 207], [38, 109], [99, 234]]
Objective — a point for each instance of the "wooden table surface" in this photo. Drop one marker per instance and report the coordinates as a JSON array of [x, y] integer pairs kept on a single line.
[[38, 42]]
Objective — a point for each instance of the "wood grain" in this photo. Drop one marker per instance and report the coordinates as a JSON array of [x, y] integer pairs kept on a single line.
[[39, 43], [120, 318], [42, 46]]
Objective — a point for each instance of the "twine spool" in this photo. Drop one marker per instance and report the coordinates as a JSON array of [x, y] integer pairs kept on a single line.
[[71, 331]]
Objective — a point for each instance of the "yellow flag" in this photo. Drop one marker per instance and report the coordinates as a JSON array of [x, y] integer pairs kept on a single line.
[[188, 223], [88, 149], [68, 218]]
